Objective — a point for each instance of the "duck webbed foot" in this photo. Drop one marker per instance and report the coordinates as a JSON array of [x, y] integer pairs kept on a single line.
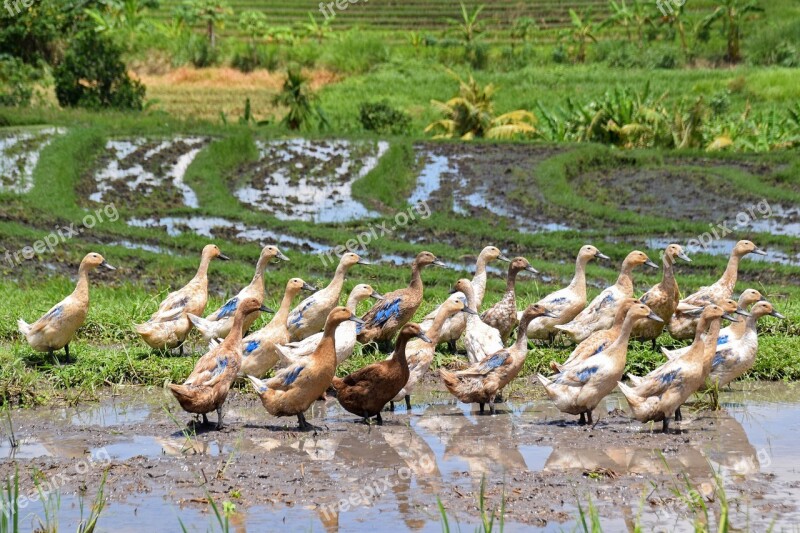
[[408, 402], [302, 423], [589, 419], [678, 415], [66, 352], [220, 425], [582, 420]]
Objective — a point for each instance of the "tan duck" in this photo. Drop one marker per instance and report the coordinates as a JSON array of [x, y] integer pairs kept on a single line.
[[481, 382], [503, 315], [365, 392], [170, 325], [580, 387], [599, 340], [480, 339], [259, 348], [419, 353], [453, 327], [659, 396], [599, 314], [682, 326], [292, 391], [728, 334], [309, 316], [206, 388], [662, 298], [398, 307], [55, 329], [218, 324], [565, 304], [293, 352]]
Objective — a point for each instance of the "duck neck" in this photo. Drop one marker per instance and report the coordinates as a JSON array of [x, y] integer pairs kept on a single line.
[[282, 315], [82, 287], [578, 283], [416, 277], [337, 282], [352, 303], [471, 301], [234, 338], [436, 326], [479, 279], [202, 270], [625, 278], [747, 325], [258, 277], [624, 334], [668, 277], [511, 281], [699, 336], [399, 355], [711, 344], [728, 279], [521, 344]]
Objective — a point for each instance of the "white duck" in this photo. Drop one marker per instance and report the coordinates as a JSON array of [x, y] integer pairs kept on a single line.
[[480, 339]]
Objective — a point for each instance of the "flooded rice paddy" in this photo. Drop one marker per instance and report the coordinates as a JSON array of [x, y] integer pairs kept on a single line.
[[19, 155], [539, 462]]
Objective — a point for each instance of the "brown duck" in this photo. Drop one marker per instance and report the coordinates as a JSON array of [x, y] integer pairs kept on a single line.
[[365, 392], [503, 315], [206, 388], [398, 307]]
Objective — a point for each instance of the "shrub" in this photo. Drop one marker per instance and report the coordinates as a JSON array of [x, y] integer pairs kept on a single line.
[[93, 75], [380, 117], [248, 57], [16, 81]]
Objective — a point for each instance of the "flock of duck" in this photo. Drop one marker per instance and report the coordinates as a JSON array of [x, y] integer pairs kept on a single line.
[[303, 345]]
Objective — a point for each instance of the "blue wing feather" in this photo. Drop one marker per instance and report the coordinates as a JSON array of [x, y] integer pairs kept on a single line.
[[297, 316], [386, 312], [289, 379], [494, 361], [229, 308], [250, 347]]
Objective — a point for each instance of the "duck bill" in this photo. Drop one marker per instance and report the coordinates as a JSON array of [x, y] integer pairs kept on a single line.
[[309, 288], [531, 269], [439, 263], [730, 317], [265, 309], [469, 311], [503, 257], [777, 315], [654, 317], [423, 337], [105, 264], [376, 295], [601, 255], [759, 251], [683, 257], [651, 264], [741, 312], [362, 262], [280, 255], [223, 257], [550, 314], [354, 318]]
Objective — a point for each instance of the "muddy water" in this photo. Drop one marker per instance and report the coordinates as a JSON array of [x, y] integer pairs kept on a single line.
[[19, 155], [541, 462]]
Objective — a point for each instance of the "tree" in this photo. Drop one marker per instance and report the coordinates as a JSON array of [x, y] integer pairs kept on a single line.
[[298, 98], [627, 17], [316, 30], [732, 14], [211, 13], [469, 27], [470, 114], [674, 20]]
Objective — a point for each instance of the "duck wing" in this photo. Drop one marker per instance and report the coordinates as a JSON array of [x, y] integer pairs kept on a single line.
[[382, 312], [660, 381], [578, 376], [54, 314], [285, 378], [488, 365]]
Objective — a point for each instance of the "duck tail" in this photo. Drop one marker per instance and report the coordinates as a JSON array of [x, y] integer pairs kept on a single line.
[[557, 367], [634, 400], [636, 380], [544, 381], [672, 354], [569, 329], [181, 392], [203, 326], [24, 327], [449, 378], [338, 383], [285, 355], [258, 385]]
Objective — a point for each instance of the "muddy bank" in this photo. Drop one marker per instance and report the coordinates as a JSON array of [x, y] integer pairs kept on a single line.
[[539, 461]]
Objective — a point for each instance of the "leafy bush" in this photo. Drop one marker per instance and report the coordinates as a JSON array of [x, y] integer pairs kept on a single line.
[[93, 75], [777, 46], [380, 117], [248, 57], [16, 81]]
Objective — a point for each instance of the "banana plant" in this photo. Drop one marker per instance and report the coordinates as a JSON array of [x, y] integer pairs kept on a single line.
[[629, 17], [469, 26], [581, 34], [732, 14]]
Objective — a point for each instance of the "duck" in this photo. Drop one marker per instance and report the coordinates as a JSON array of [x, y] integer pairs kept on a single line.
[[659, 396], [365, 392], [309, 316], [259, 353], [453, 327], [727, 334], [218, 324], [599, 340], [503, 315], [567, 303], [599, 314], [55, 329], [292, 391], [206, 388], [580, 388], [419, 353], [480, 339], [682, 326], [481, 382], [738, 355], [662, 298], [387, 316], [293, 352], [169, 326]]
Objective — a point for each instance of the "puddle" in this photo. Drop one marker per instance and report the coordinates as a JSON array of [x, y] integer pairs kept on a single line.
[[723, 247], [782, 221], [19, 155], [300, 179], [222, 228], [137, 168], [466, 266], [469, 185], [141, 246], [529, 454]]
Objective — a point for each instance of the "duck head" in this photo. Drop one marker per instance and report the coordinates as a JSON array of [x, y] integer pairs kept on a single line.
[[492, 253], [413, 330], [745, 247], [589, 252], [637, 258], [535, 311], [93, 260], [675, 250], [456, 303], [731, 307], [518, 264], [764, 308], [624, 307], [749, 297], [295, 285], [271, 251], [424, 259], [341, 314], [363, 291], [640, 311], [349, 259], [714, 312], [464, 286], [212, 251], [251, 305]]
